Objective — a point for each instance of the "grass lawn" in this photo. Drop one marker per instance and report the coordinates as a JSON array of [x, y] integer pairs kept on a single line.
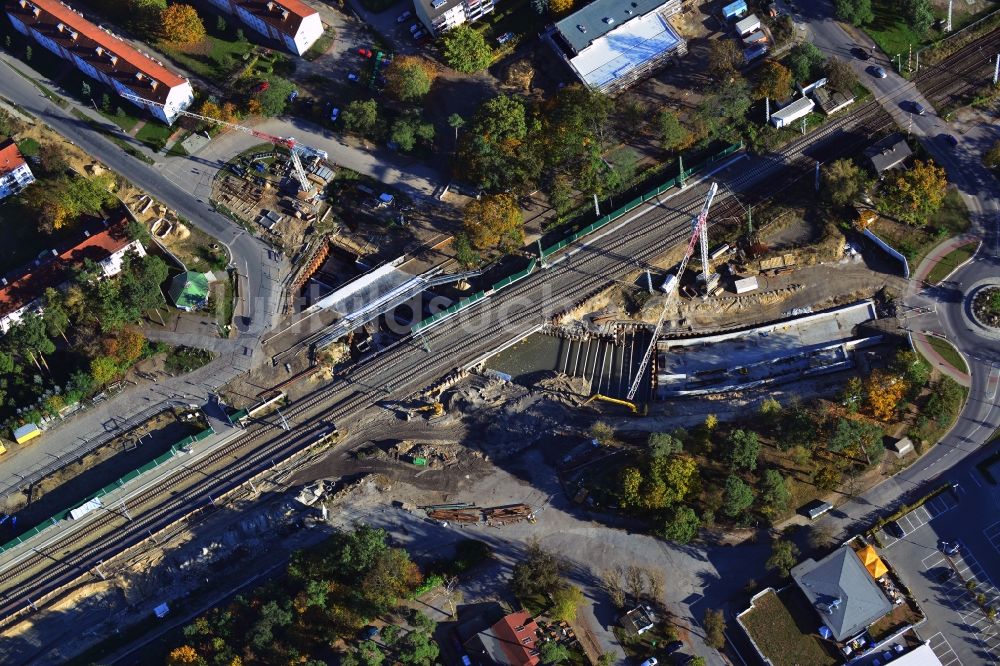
[[154, 134], [774, 624], [324, 42], [948, 353], [515, 16], [29, 147], [214, 58], [890, 32], [950, 261]]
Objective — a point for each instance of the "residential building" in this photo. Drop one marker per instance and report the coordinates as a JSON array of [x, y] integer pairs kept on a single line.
[[15, 175], [888, 153], [442, 15], [511, 641], [789, 113], [842, 591], [104, 243], [830, 101], [101, 55], [610, 45], [293, 23], [747, 25], [734, 10]]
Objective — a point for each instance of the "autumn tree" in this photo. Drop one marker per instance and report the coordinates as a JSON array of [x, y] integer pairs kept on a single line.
[[409, 78], [915, 194], [884, 390], [840, 75], [183, 655], [724, 56], [559, 7], [784, 556], [131, 344], [843, 181], [494, 150], [466, 50], [103, 369], [181, 24], [565, 600], [631, 482], [715, 628], [774, 81], [494, 221]]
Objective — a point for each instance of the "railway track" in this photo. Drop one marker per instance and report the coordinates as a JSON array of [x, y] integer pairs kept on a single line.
[[41, 571]]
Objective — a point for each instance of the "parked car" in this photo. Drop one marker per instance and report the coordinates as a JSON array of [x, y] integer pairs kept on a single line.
[[650, 662], [414, 28], [365, 53], [352, 76], [946, 574], [369, 633], [505, 37], [950, 547], [335, 114], [292, 95], [948, 139], [861, 54], [893, 528], [878, 72], [418, 34], [673, 646], [918, 108], [405, 15], [259, 88]]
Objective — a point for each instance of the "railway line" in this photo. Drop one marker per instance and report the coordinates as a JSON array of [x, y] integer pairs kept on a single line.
[[582, 268]]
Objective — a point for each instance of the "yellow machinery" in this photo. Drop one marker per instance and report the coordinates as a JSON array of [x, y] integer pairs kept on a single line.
[[433, 409], [606, 398]]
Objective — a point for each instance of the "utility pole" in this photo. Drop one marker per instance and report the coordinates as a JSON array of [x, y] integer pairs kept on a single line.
[[803, 125], [284, 422], [680, 174], [996, 70], [899, 62], [649, 282], [947, 25], [597, 207], [909, 60], [767, 109], [125, 509], [918, 60], [817, 176]]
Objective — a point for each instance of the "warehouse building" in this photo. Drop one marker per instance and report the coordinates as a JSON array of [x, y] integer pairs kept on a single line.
[[610, 45]]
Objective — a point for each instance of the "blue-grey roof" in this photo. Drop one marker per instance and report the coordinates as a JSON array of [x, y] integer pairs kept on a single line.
[[592, 18], [735, 8], [841, 576]]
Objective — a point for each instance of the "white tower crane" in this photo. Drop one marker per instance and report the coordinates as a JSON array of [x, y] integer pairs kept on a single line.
[[672, 283], [294, 147]]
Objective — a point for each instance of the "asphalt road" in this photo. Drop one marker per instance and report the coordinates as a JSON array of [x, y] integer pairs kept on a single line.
[[257, 266]]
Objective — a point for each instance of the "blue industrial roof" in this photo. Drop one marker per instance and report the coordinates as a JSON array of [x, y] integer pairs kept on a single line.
[[735, 9], [591, 22]]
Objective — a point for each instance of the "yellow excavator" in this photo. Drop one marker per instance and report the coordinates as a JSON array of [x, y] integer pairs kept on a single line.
[[634, 408], [433, 410]]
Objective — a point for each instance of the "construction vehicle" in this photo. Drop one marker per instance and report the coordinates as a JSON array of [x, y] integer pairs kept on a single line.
[[671, 284], [433, 410], [296, 150], [606, 398]]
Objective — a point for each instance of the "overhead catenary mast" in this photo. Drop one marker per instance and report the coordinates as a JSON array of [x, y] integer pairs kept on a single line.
[[295, 148]]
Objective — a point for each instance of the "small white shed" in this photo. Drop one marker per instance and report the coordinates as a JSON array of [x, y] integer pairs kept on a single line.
[[792, 112], [746, 285], [748, 25]]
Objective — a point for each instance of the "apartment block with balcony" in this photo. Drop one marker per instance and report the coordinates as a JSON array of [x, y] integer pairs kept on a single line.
[[439, 16], [294, 24], [101, 55], [15, 175]]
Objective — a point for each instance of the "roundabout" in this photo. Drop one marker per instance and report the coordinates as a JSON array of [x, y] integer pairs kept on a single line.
[[986, 306]]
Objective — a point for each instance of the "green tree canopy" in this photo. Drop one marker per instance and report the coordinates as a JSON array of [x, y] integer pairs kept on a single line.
[[682, 525], [843, 181], [494, 152], [673, 135], [774, 80], [537, 573], [915, 194], [466, 50], [737, 497], [553, 652], [743, 447], [855, 12], [784, 556], [775, 493], [802, 59], [409, 78], [360, 116], [409, 128], [663, 444]]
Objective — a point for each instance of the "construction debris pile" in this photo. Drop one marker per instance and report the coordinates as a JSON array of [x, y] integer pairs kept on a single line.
[[470, 514]]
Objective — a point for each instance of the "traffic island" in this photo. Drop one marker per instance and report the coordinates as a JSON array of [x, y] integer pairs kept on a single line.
[[986, 306]]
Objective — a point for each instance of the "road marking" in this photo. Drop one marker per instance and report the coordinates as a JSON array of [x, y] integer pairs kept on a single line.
[[942, 648], [973, 476]]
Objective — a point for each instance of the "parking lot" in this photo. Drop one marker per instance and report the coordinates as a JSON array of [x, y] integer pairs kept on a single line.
[[949, 562]]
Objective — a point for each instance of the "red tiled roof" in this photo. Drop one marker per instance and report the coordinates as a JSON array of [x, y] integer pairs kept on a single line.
[[10, 157], [270, 11], [32, 281], [96, 47], [518, 643]]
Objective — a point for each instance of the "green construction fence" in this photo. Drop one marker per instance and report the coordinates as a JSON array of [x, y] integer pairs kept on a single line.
[[114, 485]]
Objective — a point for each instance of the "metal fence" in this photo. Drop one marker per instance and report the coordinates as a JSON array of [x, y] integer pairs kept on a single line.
[[114, 485], [572, 238]]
